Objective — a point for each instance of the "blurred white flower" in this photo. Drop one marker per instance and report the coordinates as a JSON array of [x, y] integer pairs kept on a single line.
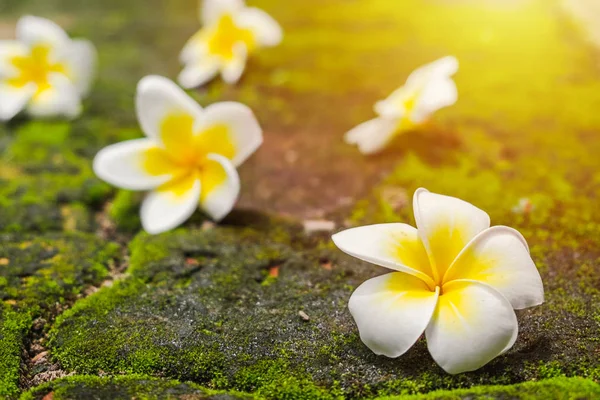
[[43, 71], [188, 158], [230, 33], [427, 90], [456, 279]]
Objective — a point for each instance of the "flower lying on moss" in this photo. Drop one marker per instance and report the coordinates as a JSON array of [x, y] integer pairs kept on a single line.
[[188, 158], [43, 71], [427, 90], [231, 32], [456, 279]]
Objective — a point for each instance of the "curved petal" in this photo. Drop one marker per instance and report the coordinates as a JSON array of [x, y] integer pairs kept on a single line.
[[444, 67], [171, 205], [372, 136], [265, 28], [392, 311], [220, 187], [195, 48], [158, 98], [197, 73], [233, 69], [61, 99], [393, 107], [125, 165], [446, 224], [35, 30], [395, 246], [212, 10], [472, 325], [436, 94], [8, 50], [229, 129], [14, 99], [499, 258], [81, 59]]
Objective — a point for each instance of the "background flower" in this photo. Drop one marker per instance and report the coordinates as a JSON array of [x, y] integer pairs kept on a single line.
[[43, 71], [230, 33]]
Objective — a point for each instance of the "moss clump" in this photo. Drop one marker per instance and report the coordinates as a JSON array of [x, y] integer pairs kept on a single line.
[[125, 388], [195, 308], [13, 327], [550, 389]]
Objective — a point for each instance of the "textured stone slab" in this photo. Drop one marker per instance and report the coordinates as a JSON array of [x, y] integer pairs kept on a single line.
[[222, 308]]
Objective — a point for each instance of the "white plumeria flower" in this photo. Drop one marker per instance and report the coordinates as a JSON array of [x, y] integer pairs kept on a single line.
[[427, 90], [43, 71], [188, 158], [456, 279], [230, 33]]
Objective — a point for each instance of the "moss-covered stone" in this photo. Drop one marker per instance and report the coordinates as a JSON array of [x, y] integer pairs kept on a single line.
[[196, 309], [124, 388]]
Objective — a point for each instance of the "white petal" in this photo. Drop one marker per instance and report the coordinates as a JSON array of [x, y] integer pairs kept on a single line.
[[198, 73], [35, 30], [164, 210], [81, 60], [158, 97], [267, 30], [195, 48], [499, 258], [392, 107], [243, 128], [13, 99], [471, 326], [445, 67], [446, 224], [373, 136], [61, 99], [391, 312], [122, 165], [212, 10], [220, 187], [232, 71], [437, 94], [395, 246], [8, 50]]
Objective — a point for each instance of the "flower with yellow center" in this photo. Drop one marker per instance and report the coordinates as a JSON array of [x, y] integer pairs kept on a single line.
[[456, 279], [230, 33], [188, 158], [427, 90], [43, 71]]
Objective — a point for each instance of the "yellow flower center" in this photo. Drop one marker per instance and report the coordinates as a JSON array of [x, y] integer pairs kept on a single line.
[[184, 155], [226, 35], [35, 67]]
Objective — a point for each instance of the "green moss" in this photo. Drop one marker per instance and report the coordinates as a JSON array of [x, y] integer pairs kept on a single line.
[[126, 387], [550, 389], [124, 211], [13, 327]]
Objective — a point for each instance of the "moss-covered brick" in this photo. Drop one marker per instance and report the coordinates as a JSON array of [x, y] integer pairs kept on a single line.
[[126, 387], [39, 274], [39, 277], [195, 308], [549, 389]]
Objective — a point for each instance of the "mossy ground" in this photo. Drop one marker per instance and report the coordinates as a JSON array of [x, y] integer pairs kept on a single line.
[[203, 305]]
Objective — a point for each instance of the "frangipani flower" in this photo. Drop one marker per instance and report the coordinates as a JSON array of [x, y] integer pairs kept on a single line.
[[43, 71], [427, 90], [230, 33], [456, 279], [188, 158]]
